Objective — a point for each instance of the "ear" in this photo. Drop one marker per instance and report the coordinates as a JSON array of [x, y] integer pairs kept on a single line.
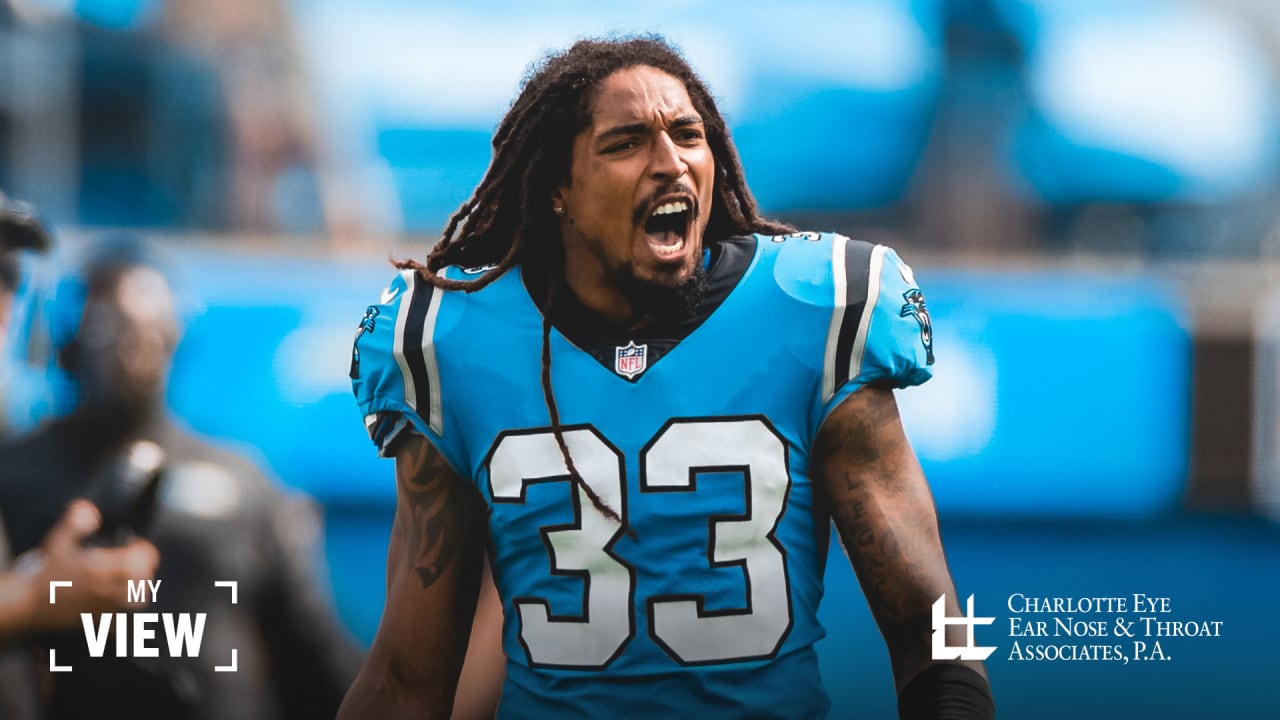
[[558, 204]]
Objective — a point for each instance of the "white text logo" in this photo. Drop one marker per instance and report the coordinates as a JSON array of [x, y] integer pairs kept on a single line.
[[970, 649]]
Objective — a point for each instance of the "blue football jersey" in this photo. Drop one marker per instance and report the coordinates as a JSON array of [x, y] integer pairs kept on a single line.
[[701, 597]]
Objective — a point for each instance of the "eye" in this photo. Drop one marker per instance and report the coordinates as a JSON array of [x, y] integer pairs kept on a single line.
[[689, 135], [623, 146]]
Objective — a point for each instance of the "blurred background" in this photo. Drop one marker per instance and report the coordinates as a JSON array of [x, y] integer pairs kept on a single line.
[[1089, 191]]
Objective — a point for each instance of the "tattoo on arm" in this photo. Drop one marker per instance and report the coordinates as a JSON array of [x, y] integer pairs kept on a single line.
[[880, 501], [888, 573], [882, 508], [435, 514]]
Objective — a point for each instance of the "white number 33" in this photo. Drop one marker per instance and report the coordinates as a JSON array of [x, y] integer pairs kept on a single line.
[[668, 464]]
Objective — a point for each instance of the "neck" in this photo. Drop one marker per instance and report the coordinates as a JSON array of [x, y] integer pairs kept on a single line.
[[594, 290], [632, 304]]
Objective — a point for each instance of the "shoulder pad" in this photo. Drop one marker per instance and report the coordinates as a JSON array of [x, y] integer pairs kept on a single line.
[[880, 327]]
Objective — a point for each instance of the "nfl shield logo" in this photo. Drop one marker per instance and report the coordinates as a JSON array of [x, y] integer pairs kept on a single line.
[[631, 360]]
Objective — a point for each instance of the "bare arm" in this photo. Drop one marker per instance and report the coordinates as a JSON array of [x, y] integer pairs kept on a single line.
[[480, 684], [433, 575], [885, 515]]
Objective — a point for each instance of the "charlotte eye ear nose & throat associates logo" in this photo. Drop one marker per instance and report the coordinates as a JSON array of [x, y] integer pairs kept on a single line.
[[970, 649], [1137, 627]]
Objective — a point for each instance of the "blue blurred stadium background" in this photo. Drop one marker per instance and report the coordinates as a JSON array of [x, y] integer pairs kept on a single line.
[[1088, 190]]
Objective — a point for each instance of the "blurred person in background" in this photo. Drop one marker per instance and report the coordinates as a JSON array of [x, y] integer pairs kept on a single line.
[[275, 154], [118, 87], [212, 514], [20, 229], [98, 576], [693, 340]]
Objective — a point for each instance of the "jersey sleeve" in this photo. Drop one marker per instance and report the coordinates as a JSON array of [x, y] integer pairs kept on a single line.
[[880, 329], [393, 371]]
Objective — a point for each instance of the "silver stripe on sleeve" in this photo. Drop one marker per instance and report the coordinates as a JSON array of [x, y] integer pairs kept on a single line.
[[435, 416], [397, 348]]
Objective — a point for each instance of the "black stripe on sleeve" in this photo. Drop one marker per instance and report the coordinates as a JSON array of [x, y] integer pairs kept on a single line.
[[414, 355], [857, 265]]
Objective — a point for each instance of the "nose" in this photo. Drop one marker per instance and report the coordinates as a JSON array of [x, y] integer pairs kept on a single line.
[[666, 163]]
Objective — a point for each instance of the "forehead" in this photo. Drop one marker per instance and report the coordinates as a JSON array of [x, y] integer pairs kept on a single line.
[[639, 94]]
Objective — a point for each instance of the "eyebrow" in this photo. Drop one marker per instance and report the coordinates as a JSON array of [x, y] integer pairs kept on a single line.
[[640, 127]]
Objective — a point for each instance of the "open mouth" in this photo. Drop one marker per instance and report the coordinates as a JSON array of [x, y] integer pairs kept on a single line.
[[667, 227]]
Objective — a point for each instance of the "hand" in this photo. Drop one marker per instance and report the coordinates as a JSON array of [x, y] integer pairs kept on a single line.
[[99, 576]]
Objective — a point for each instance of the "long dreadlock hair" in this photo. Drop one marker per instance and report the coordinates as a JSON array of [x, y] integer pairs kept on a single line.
[[508, 220]]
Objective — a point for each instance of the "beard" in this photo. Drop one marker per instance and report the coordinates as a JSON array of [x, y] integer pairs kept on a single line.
[[663, 302]]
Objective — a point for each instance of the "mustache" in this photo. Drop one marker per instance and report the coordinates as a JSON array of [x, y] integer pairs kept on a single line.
[[641, 212]]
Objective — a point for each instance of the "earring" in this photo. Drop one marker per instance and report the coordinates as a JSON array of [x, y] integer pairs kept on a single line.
[[558, 209]]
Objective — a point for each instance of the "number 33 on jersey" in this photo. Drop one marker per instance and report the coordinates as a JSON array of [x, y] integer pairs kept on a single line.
[[712, 570]]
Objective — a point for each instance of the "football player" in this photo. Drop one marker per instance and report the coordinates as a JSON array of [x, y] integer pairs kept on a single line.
[[645, 413]]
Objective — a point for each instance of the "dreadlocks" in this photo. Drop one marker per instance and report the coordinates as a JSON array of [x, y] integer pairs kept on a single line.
[[509, 220]]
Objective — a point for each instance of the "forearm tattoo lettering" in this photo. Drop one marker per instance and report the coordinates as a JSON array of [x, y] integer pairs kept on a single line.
[[866, 468]]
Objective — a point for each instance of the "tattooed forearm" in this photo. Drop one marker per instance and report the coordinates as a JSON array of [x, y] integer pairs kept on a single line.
[[872, 485], [435, 513], [884, 513], [890, 576], [873, 555]]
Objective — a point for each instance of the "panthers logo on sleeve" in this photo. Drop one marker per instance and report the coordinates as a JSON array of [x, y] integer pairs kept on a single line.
[[366, 326], [916, 308]]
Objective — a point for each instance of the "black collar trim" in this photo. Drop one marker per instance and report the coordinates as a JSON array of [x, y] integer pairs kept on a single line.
[[603, 340]]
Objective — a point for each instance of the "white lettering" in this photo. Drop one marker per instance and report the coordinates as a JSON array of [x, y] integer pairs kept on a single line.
[[96, 639], [142, 632], [122, 635], [183, 633], [183, 638]]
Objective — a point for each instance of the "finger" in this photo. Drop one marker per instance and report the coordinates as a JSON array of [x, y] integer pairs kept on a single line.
[[109, 571], [141, 559], [80, 520]]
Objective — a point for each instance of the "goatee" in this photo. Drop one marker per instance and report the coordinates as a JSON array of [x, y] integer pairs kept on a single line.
[[664, 303]]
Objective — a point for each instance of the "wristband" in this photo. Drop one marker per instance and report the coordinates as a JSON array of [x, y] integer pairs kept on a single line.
[[946, 691]]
